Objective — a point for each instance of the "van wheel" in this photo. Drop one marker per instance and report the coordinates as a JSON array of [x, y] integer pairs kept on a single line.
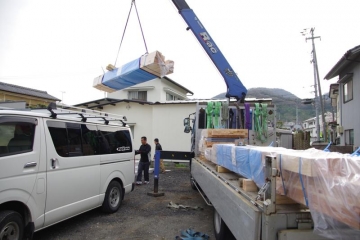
[[222, 232], [113, 197], [11, 225]]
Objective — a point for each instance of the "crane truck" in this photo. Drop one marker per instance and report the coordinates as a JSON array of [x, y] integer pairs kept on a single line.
[[237, 213]]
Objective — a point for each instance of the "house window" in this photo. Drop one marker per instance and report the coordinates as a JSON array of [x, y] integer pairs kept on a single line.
[[349, 137], [348, 91], [170, 97], [138, 95]]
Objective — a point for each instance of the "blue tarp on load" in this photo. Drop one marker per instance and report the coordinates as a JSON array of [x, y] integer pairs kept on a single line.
[[126, 76], [242, 161], [257, 167]]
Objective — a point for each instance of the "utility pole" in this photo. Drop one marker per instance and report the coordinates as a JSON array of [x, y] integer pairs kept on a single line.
[[317, 87], [316, 102]]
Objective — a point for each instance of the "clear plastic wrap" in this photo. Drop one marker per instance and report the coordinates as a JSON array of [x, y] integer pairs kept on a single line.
[[208, 154], [329, 184], [213, 156], [257, 161]]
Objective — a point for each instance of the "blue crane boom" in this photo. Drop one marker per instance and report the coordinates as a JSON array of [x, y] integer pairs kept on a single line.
[[235, 88]]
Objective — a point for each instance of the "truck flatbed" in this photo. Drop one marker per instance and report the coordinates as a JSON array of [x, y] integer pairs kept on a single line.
[[245, 217]]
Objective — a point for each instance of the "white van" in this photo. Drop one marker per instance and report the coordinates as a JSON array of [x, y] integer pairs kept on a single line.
[[57, 163]]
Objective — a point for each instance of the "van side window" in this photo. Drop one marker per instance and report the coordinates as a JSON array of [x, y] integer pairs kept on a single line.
[[74, 139], [58, 134], [90, 143], [112, 141], [16, 136]]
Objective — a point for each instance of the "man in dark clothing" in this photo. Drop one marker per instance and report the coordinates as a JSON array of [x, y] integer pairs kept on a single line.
[[158, 147], [144, 163]]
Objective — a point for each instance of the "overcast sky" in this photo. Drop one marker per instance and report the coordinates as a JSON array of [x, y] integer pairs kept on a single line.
[[62, 45]]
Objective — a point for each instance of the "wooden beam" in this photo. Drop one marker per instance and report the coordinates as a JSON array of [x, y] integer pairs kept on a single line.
[[249, 185], [221, 169]]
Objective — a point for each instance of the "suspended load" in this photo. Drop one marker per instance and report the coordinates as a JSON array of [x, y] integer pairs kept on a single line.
[[143, 69]]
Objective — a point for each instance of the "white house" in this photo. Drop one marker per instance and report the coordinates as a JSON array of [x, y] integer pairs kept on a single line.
[[154, 109], [347, 71], [157, 90], [309, 125]]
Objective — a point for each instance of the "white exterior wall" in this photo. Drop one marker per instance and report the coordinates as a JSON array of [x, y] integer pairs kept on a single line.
[[163, 121], [350, 116], [168, 125], [137, 114], [155, 90], [177, 89]]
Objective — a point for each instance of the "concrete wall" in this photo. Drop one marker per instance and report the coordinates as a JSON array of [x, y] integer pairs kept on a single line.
[[139, 116], [350, 115], [168, 125], [163, 121]]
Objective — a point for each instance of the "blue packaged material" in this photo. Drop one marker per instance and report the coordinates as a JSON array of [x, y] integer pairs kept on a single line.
[[126, 76], [242, 161], [219, 154], [257, 167], [224, 155]]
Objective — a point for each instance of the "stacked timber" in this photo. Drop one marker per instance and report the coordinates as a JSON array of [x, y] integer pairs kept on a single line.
[[98, 85], [328, 183], [212, 137], [145, 68], [156, 64]]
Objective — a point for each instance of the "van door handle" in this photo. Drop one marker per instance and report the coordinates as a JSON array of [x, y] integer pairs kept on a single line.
[[30, 164], [53, 163]]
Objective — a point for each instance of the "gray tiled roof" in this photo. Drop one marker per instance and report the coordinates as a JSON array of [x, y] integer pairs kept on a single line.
[[26, 91]]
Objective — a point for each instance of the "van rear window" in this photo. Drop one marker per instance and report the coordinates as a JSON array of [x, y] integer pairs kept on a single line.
[[115, 142]]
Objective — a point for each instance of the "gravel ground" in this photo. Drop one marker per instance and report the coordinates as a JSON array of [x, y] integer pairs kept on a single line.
[[142, 216]]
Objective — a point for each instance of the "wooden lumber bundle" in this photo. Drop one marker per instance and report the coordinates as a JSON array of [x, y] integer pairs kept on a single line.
[[328, 186], [97, 83], [155, 63], [227, 133]]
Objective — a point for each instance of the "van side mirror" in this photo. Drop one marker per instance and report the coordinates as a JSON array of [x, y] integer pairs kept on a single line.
[[186, 121], [187, 129]]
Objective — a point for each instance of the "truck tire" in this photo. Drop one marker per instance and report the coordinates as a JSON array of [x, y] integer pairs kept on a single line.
[[113, 197], [221, 231], [11, 225]]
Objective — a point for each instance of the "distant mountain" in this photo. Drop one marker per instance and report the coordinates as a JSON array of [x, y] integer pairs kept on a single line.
[[285, 103]]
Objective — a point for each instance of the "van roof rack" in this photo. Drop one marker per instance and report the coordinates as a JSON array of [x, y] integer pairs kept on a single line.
[[83, 113]]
